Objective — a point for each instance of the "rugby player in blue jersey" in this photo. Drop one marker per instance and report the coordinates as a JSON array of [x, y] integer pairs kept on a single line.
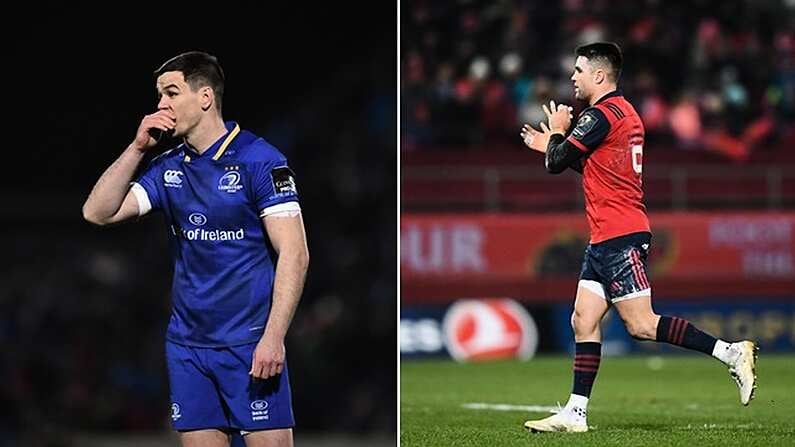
[[240, 256]]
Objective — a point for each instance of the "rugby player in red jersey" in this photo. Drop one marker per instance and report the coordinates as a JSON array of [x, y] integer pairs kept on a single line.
[[606, 146]]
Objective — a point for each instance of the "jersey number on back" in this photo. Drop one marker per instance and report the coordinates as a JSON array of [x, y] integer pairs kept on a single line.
[[637, 158]]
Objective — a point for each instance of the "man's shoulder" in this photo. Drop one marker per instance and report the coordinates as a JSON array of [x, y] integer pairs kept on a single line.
[[591, 120], [174, 153], [617, 107], [593, 111], [255, 149]]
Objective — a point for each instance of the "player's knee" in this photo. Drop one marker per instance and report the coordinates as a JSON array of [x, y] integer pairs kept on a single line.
[[583, 324]]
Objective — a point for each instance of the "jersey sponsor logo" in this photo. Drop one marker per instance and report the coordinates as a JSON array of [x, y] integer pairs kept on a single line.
[[176, 411], [259, 410], [197, 219], [584, 124], [283, 181], [489, 329], [199, 234], [172, 178], [230, 182], [258, 405]]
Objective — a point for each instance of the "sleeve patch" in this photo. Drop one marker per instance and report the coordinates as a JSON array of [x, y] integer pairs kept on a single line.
[[283, 181], [584, 125]]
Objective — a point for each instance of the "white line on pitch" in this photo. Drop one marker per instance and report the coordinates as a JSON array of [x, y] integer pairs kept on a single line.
[[509, 407]]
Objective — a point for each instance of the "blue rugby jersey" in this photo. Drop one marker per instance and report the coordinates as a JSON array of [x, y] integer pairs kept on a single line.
[[223, 260]]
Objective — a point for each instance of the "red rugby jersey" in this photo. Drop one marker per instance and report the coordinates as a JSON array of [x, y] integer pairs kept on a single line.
[[611, 133]]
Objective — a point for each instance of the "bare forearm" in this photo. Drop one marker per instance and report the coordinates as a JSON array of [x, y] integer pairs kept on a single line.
[[287, 287], [108, 193]]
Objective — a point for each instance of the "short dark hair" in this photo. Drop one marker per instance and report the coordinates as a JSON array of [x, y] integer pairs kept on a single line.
[[607, 53], [200, 70]]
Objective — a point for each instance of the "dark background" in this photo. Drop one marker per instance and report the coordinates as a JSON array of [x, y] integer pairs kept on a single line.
[[83, 309]]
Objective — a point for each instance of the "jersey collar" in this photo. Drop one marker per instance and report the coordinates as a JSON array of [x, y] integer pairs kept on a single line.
[[612, 94], [219, 147]]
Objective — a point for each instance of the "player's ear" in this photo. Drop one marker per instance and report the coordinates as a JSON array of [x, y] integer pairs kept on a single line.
[[599, 76], [206, 97]]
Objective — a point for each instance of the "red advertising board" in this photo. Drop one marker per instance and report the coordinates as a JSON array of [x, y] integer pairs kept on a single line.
[[540, 255]]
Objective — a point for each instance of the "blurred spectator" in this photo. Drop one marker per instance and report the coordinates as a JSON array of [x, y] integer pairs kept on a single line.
[[685, 121]]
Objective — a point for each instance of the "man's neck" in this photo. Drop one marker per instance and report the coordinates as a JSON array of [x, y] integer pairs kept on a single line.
[[595, 98], [205, 134]]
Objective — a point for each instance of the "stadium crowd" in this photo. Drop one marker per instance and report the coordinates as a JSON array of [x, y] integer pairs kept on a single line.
[[711, 76]]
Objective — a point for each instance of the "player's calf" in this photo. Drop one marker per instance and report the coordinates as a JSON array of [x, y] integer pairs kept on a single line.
[[680, 332]]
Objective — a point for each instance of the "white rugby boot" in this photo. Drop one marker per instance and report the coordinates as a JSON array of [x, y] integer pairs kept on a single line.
[[569, 419], [742, 368]]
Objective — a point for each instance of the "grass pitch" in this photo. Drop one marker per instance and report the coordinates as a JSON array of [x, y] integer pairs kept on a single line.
[[636, 401]]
